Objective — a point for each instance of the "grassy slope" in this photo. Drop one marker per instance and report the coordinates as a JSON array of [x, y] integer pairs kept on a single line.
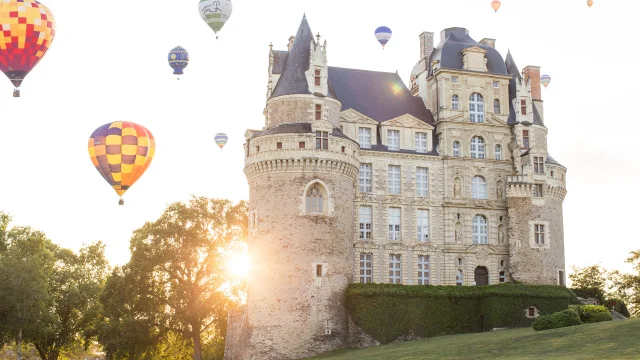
[[606, 340]]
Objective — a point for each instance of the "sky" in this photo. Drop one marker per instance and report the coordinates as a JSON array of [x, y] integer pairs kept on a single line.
[[108, 62]]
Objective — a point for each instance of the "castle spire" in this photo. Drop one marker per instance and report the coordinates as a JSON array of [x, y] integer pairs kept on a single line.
[[293, 79]]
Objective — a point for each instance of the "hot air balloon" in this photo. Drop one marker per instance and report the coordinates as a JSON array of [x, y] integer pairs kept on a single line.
[[178, 60], [589, 2], [27, 28], [121, 151], [383, 34], [495, 4], [545, 80], [221, 139], [215, 13]]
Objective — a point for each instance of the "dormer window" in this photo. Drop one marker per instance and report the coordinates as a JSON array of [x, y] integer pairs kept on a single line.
[[523, 107], [318, 112], [317, 78], [393, 139], [322, 140]]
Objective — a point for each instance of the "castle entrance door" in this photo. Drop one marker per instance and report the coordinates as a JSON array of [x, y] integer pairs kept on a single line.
[[481, 276]]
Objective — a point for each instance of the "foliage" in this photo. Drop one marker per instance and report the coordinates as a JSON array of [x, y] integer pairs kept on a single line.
[[387, 312], [618, 305], [629, 285], [603, 316], [587, 313], [176, 280], [557, 320], [593, 292], [593, 276]]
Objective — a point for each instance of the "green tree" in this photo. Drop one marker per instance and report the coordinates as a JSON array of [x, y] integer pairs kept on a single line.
[[177, 270], [593, 276], [628, 285]]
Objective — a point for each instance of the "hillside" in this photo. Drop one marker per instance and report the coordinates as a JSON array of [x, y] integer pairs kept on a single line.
[[606, 340]]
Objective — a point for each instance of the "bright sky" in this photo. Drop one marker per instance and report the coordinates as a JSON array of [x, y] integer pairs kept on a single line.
[[108, 62]]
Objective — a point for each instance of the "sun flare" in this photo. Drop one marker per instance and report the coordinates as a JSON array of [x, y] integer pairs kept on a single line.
[[238, 264]]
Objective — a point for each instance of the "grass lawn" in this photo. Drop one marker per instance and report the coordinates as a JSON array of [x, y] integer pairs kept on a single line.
[[605, 340]]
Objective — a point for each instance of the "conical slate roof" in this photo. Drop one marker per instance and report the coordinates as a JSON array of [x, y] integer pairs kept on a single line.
[[293, 80]]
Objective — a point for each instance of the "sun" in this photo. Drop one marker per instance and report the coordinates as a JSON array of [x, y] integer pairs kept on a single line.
[[238, 264]]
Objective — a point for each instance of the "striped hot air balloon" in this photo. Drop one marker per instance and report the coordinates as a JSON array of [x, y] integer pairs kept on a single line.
[[545, 80], [221, 139], [383, 34]]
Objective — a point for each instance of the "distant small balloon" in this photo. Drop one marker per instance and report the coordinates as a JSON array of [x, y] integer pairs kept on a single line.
[[221, 139], [589, 2], [383, 34], [545, 80], [178, 59], [495, 4]]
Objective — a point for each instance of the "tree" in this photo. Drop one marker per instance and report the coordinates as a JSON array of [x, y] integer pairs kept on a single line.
[[177, 269], [593, 276], [629, 285]]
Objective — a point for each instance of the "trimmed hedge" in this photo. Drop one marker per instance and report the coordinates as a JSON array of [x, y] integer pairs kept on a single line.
[[600, 317], [387, 312], [557, 320], [588, 312]]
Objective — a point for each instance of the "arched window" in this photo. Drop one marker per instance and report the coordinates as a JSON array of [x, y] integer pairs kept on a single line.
[[480, 230], [477, 147], [496, 106], [455, 102], [456, 148], [478, 188], [315, 200], [476, 108], [498, 152]]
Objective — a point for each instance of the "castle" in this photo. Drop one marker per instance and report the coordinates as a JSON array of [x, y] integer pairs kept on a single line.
[[357, 178]]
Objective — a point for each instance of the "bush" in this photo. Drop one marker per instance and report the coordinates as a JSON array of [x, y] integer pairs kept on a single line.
[[590, 293], [588, 312], [618, 305], [600, 317], [387, 312], [556, 320]]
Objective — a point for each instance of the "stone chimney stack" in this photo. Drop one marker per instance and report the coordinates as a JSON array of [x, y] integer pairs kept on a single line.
[[291, 39], [489, 42], [426, 45], [533, 73]]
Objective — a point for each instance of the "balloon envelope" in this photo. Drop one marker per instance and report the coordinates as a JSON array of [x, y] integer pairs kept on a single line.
[[383, 34], [221, 139], [495, 4], [27, 28], [545, 80], [121, 151], [215, 12], [178, 59], [589, 2]]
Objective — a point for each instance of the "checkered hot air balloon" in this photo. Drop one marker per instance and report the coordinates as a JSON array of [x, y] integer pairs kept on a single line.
[[215, 13], [545, 80], [27, 28], [383, 34], [221, 139], [121, 151], [178, 60]]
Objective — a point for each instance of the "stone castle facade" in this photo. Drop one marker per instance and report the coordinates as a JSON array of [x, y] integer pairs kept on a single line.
[[357, 178]]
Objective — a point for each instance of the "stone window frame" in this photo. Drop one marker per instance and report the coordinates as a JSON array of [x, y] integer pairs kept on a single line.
[[476, 116], [502, 276], [498, 152], [361, 137], [419, 141], [361, 179], [363, 231], [399, 179], [395, 259], [322, 140], [423, 270], [327, 204], [480, 237], [425, 182], [455, 102], [396, 145], [456, 151], [428, 226], [363, 277], [547, 235], [536, 312], [476, 188], [477, 148], [394, 235], [563, 277], [253, 220], [496, 106]]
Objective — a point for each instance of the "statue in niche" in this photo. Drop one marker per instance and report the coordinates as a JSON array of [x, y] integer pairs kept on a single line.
[[456, 188], [500, 236], [458, 233], [499, 191]]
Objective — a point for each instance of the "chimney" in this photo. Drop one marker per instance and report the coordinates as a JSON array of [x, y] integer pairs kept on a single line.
[[291, 39], [489, 42], [426, 45], [533, 73]]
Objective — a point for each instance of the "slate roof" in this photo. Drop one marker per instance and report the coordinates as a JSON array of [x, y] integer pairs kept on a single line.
[[296, 128], [449, 51], [279, 57], [293, 80]]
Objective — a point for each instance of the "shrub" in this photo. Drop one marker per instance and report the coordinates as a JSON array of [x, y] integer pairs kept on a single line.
[[556, 320], [600, 317], [590, 293], [618, 305], [387, 312], [588, 312]]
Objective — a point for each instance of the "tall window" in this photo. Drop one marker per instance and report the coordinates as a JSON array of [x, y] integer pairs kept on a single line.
[[395, 269], [322, 140], [496, 106], [537, 190], [393, 139], [422, 220], [478, 188], [523, 107], [480, 230], [394, 179], [525, 138], [315, 200], [364, 137], [365, 223], [317, 77], [456, 148], [459, 278], [477, 147], [538, 164], [455, 102], [394, 224], [366, 268], [539, 234], [421, 142], [422, 181], [366, 178], [502, 278], [423, 269], [318, 112], [476, 108], [498, 152]]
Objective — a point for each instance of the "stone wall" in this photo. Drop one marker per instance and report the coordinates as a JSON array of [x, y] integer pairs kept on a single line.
[[300, 109]]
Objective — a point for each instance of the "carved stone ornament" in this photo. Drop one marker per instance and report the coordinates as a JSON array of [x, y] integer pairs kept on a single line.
[[365, 196], [424, 249], [395, 248], [366, 246]]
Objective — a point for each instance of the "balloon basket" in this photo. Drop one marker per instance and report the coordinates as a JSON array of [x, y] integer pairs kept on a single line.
[[121, 202], [16, 93]]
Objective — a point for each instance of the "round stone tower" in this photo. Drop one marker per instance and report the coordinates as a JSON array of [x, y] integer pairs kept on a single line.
[[301, 171]]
